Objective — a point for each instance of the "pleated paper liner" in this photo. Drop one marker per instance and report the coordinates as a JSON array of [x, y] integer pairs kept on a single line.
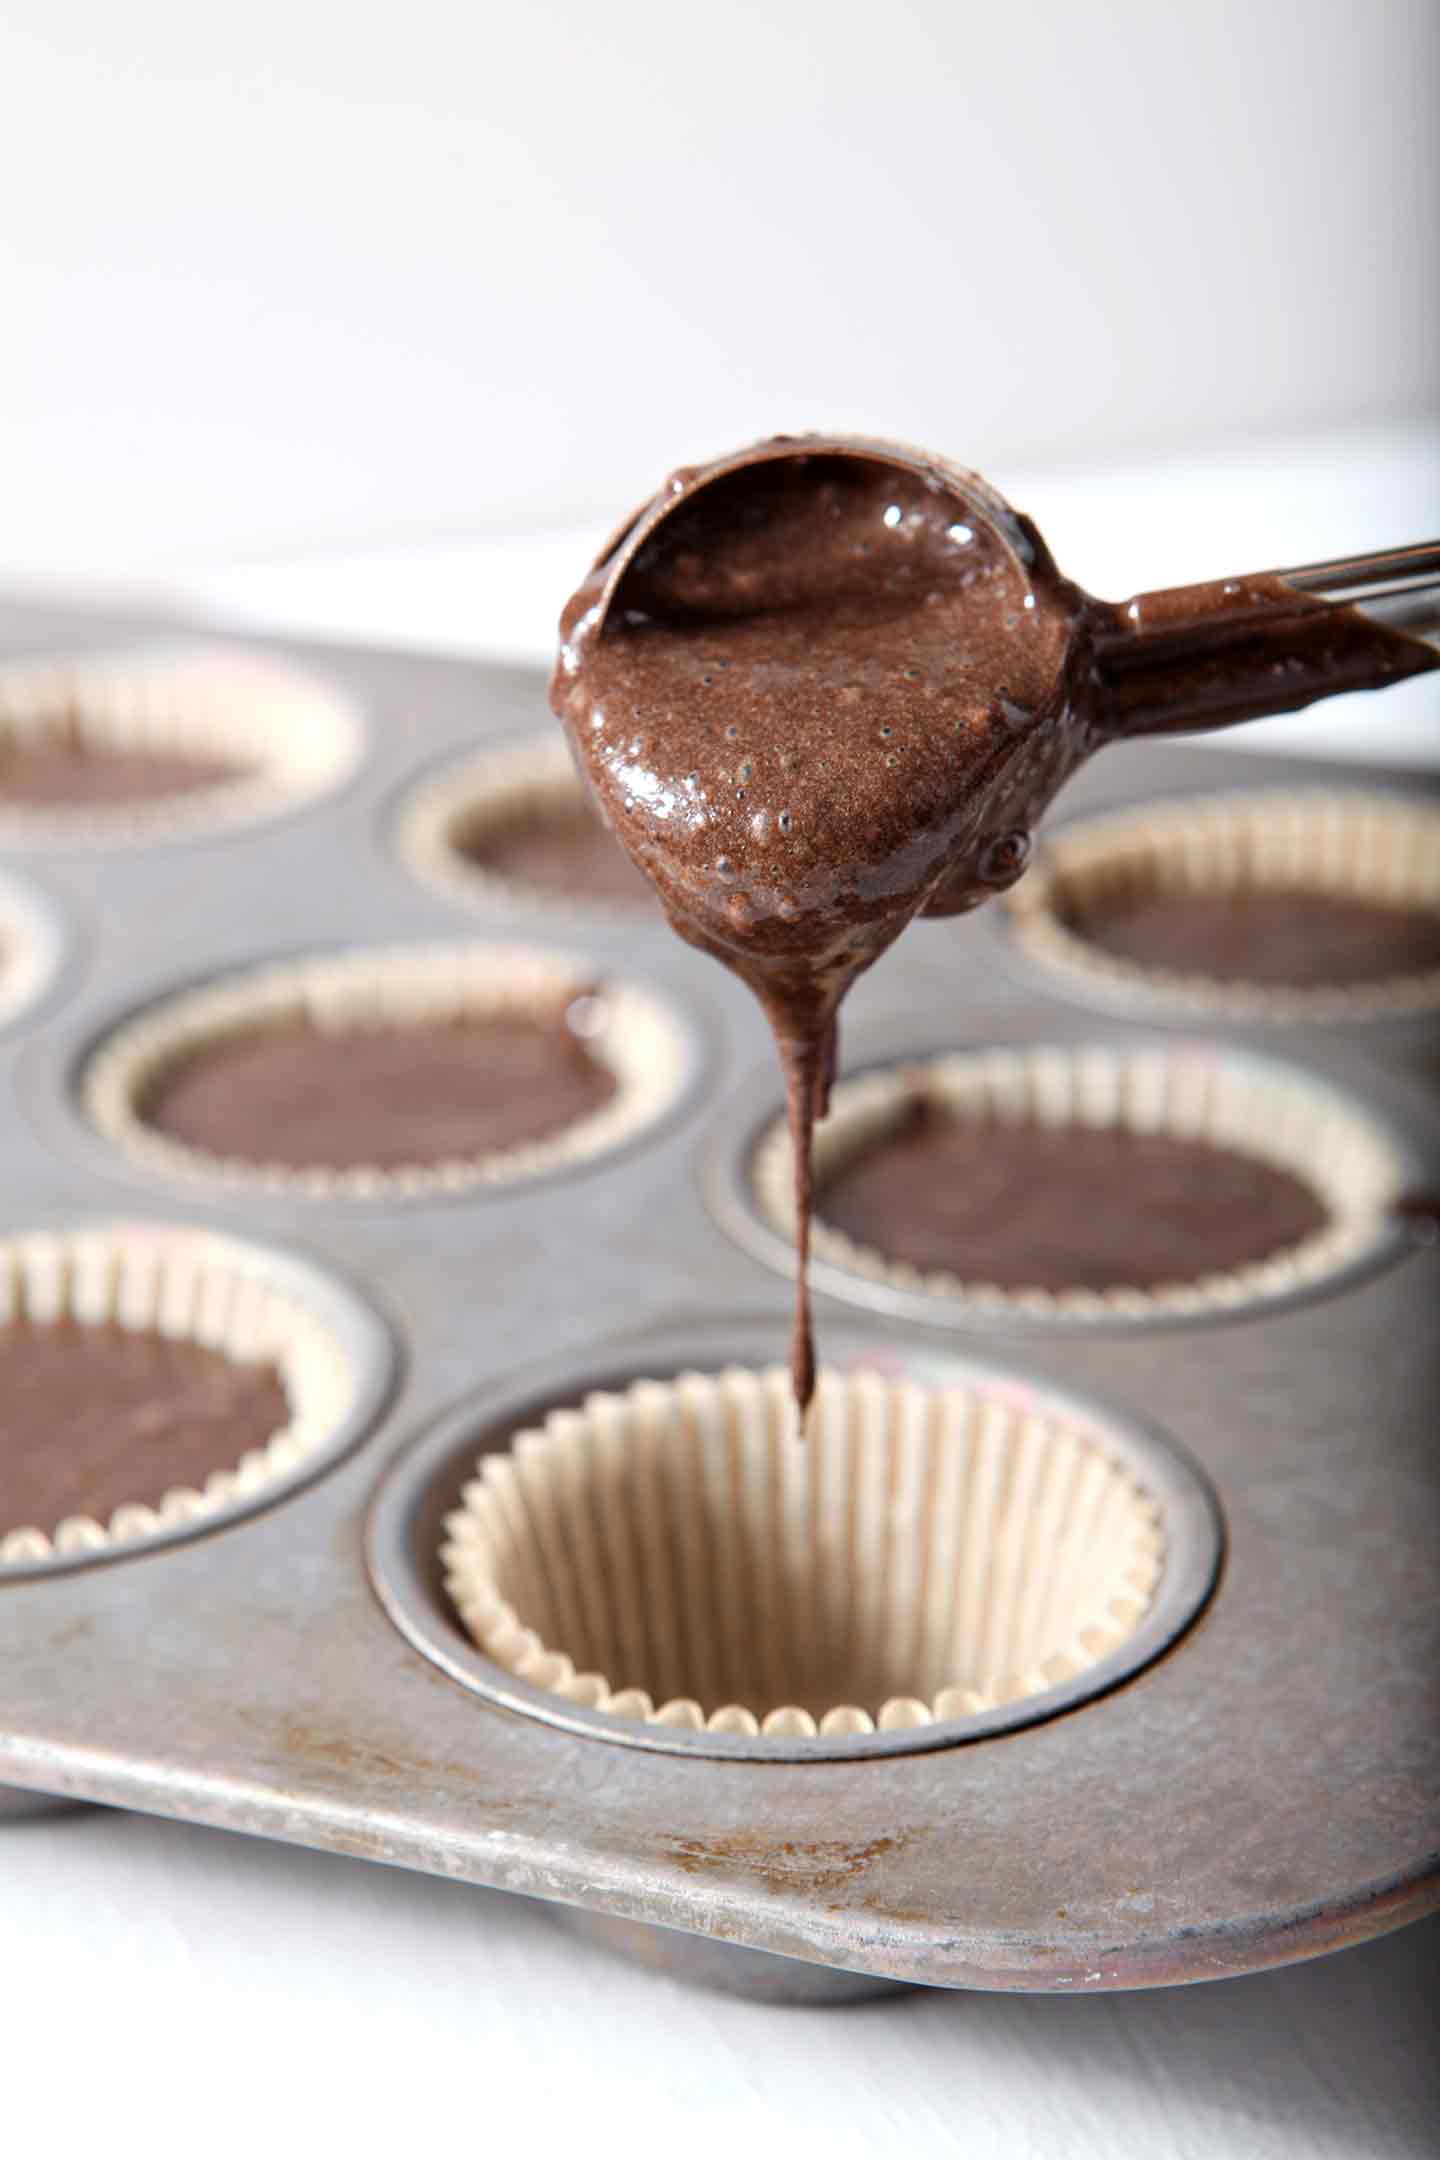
[[31, 944], [1335, 845], [1248, 1106], [503, 796], [632, 1038], [182, 1286], [263, 736], [675, 1554]]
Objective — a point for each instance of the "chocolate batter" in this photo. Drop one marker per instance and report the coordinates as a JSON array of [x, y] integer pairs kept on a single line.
[[1063, 1207], [1260, 934], [60, 771], [820, 688], [564, 850], [94, 1417], [387, 1098]]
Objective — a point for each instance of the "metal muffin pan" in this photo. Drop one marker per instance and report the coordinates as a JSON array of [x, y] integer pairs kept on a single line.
[[1262, 1789]]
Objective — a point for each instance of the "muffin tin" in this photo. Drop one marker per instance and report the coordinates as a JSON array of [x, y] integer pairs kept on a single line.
[[1247, 1778]]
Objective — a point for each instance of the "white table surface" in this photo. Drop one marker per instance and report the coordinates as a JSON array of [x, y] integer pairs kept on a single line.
[[183, 1991], [229, 1996]]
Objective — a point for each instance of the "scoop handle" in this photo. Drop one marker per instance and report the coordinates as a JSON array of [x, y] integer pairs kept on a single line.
[[1398, 586], [1207, 656]]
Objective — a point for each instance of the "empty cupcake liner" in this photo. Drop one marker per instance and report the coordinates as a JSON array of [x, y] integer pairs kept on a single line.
[[30, 949], [190, 1286], [495, 790], [676, 1555], [628, 1031], [1340, 843], [294, 737], [1248, 1105]]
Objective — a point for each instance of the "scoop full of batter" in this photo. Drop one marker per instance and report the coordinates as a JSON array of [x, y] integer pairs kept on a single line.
[[825, 685]]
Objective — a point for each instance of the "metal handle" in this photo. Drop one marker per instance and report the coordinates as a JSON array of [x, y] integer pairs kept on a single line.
[[1205, 656], [1399, 587]]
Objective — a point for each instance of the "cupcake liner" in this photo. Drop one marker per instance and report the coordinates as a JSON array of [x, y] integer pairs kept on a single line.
[[1340, 843], [295, 737], [190, 1286], [30, 949], [499, 788], [630, 1032], [1248, 1105], [674, 1554]]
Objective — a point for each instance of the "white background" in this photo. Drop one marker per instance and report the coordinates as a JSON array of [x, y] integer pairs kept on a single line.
[[293, 272], [362, 320]]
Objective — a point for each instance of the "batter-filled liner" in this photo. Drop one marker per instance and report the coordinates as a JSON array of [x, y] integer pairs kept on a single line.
[[631, 1037], [1255, 1108], [469, 832], [676, 1554], [174, 1285], [226, 738], [1335, 848]]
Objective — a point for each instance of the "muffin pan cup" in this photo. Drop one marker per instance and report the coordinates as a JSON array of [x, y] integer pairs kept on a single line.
[[1346, 844], [1260, 1789], [1103, 1524], [1119, 793], [646, 1054], [289, 736], [252, 1305], [1274, 1112], [493, 792]]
